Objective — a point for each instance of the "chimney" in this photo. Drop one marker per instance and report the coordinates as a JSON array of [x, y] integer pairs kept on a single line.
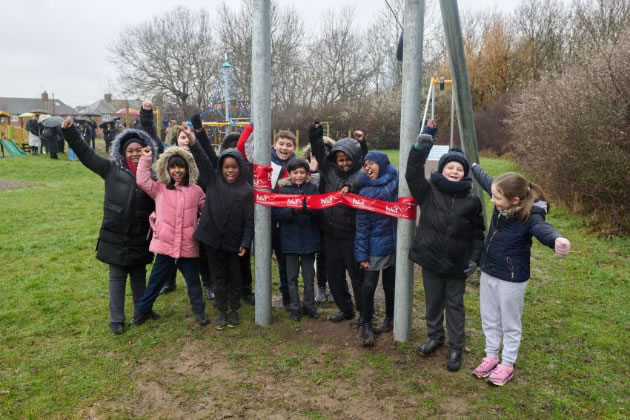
[[44, 96], [108, 97]]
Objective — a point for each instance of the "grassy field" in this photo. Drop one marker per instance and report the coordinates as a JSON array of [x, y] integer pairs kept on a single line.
[[58, 358]]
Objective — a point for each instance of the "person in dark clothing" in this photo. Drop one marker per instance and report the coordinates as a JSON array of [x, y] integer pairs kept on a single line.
[[109, 132], [226, 226], [49, 137], [123, 240], [448, 243], [340, 169], [299, 238]]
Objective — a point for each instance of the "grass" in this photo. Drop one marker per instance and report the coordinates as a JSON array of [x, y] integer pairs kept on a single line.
[[58, 358]]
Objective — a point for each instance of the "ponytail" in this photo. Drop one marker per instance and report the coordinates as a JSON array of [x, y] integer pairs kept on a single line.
[[513, 185]]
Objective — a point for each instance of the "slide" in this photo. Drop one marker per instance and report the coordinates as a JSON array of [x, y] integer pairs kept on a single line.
[[11, 148]]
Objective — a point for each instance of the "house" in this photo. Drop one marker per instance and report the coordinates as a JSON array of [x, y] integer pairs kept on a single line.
[[107, 106], [17, 106]]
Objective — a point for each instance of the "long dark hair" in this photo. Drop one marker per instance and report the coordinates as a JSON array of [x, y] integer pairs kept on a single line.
[[180, 162]]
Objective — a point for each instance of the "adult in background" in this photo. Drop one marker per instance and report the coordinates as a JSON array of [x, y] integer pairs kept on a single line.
[[33, 135]]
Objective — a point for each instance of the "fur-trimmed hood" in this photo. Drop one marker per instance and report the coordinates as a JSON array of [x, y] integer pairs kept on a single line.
[[328, 144], [161, 165], [118, 155], [286, 181]]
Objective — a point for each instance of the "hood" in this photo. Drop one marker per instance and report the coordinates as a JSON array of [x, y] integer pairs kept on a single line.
[[243, 176], [284, 182], [350, 147], [328, 144], [161, 169], [118, 155]]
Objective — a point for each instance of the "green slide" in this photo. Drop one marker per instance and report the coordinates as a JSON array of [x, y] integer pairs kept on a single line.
[[11, 148]]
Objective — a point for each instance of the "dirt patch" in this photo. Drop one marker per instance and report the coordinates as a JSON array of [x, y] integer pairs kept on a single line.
[[9, 184]]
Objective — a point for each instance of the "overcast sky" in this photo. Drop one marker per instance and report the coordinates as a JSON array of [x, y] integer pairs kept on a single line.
[[61, 46]]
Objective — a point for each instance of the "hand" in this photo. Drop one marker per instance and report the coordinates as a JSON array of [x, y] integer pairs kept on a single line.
[[345, 190], [423, 142], [365, 264], [562, 247], [472, 266], [358, 135], [242, 251], [191, 136], [147, 104], [147, 152], [313, 165], [67, 123], [315, 131], [196, 122]]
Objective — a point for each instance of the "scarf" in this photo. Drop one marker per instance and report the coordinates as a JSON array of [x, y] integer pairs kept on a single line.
[[132, 166], [460, 187]]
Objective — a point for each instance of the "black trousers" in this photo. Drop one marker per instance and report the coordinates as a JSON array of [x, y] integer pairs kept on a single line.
[[320, 262], [445, 292], [246, 274], [339, 259], [370, 281], [225, 270]]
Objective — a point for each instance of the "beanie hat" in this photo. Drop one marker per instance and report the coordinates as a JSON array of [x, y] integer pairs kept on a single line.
[[379, 158], [129, 141], [454, 154]]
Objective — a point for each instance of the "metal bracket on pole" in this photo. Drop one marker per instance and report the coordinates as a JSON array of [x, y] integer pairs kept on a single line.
[[261, 109], [409, 129]]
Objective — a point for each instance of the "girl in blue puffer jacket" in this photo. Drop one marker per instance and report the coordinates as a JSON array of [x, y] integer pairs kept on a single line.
[[375, 242], [519, 214]]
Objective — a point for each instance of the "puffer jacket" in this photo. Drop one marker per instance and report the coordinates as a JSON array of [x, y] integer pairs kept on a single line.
[[376, 233], [339, 220], [124, 235], [176, 211], [451, 228], [299, 233], [507, 251]]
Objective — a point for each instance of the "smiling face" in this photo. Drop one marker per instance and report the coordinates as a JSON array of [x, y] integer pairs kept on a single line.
[[500, 201], [298, 176], [371, 169], [177, 173], [284, 147], [230, 169], [453, 171], [133, 152], [343, 161], [183, 140]]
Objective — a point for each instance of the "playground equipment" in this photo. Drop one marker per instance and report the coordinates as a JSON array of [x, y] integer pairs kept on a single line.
[[431, 95], [7, 145]]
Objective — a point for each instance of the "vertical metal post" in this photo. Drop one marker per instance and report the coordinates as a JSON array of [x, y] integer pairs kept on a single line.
[[433, 93], [457, 62], [409, 129], [261, 112], [452, 112], [426, 107], [226, 93]]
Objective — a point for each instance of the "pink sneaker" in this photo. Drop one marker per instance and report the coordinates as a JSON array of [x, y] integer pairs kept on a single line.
[[485, 368], [501, 375]]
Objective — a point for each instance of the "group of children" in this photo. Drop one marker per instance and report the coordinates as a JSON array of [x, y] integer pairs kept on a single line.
[[196, 200]]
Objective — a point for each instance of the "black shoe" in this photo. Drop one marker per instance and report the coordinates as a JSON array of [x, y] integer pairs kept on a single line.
[[154, 315], [429, 347], [367, 335], [386, 326], [311, 312], [295, 316], [139, 319], [250, 298], [221, 321], [341, 316], [168, 288], [454, 361], [233, 321], [202, 319], [356, 323], [117, 327]]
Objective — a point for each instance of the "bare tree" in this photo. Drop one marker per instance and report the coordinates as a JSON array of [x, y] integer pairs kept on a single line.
[[171, 55]]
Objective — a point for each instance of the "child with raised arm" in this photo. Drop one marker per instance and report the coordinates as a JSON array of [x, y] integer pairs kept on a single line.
[[178, 202], [519, 213], [447, 245]]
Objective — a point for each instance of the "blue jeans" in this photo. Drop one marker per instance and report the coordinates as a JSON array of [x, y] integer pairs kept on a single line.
[[162, 267]]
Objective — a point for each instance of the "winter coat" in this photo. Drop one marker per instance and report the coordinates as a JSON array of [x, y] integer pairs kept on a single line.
[[124, 235], [227, 220], [376, 233], [299, 231], [451, 228], [315, 175], [339, 220], [507, 251], [176, 211]]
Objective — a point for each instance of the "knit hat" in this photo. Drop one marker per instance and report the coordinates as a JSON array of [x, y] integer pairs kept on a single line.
[[379, 158], [129, 141], [454, 154]]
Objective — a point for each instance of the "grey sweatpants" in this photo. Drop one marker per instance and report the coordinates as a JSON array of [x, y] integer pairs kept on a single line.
[[501, 311]]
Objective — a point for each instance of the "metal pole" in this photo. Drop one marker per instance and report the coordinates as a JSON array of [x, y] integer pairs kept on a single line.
[[426, 105], [409, 129], [261, 111], [433, 101], [452, 112], [226, 93], [457, 62]]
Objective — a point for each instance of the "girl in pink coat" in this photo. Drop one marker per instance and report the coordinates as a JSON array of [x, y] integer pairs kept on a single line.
[[178, 203]]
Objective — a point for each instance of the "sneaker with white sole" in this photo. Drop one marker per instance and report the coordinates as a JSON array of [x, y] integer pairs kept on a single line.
[[485, 368], [501, 375], [320, 296]]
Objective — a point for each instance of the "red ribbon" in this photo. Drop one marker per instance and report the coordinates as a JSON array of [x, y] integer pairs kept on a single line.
[[262, 177]]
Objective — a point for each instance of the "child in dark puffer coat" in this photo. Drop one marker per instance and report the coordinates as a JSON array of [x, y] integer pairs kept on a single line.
[[299, 238], [448, 243], [375, 242]]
